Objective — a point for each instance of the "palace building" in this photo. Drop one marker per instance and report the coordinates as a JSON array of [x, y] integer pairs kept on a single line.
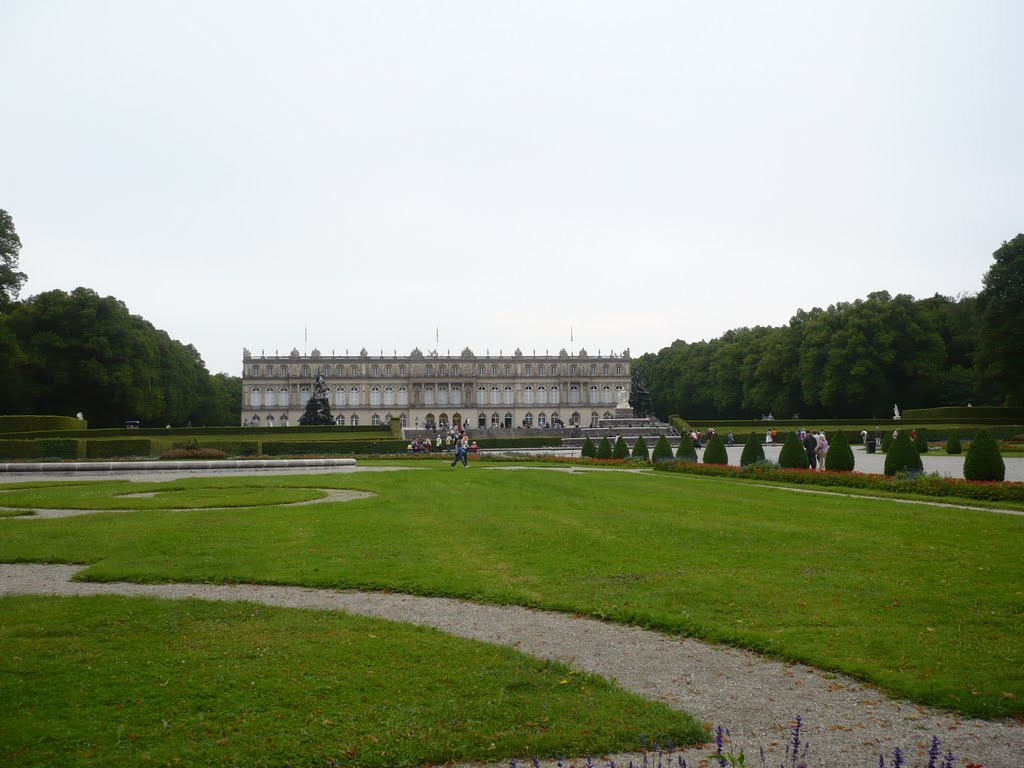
[[426, 389]]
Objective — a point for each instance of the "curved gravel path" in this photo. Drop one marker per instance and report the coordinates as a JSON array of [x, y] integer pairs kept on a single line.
[[848, 723]]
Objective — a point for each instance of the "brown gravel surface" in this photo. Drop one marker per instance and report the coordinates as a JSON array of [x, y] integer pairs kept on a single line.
[[848, 723]]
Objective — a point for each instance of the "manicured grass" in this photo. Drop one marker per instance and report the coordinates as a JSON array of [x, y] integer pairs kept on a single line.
[[110, 681], [924, 601]]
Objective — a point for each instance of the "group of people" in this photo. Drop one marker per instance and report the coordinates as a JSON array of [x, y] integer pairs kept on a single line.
[[816, 445], [451, 438]]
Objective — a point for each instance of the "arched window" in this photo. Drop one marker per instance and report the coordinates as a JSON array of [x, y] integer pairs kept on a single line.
[[542, 395], [554, 394], [481, 420], [405, 421], [270, 401], [508, 395], [284, 419], [495, 420], [574, 394], [283, 399], [428, 395], [306, 372], [255, 421], [508, 421], [593, 393], [443, 419], [340, 421], [353, 398], [456, 418], [495, 395], [528, 395], [428, 421], [481, 395], [618, 389], [403, 395], [375, 420], [607, 415], [339, 396], [528, 420], [255, 397], [594, 419], [375, 396], [389, 396], [456, 394], [606, 394], [542, 420], [354, 421], [574, 420], [554, 419], [442, 394]]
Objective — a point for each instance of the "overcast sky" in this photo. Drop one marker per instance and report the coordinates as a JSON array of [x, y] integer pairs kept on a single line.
[[498, 173]]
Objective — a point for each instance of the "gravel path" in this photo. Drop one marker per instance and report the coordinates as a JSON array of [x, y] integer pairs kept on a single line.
[[848, 723]]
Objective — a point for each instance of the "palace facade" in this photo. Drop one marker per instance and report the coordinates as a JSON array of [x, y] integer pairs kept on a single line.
[[427, 389]]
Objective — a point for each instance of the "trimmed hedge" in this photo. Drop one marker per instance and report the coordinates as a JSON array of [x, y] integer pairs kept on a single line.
[[921, 440], [983, 460], [753, 451], [793, 455], [662, 450], [953, 446], [332, 447], [604, 449], [116, 449], [840, 455], [686, 451], [588, 450], [29, 423], [925, 485], [640, 449], [47, 448], [714, 452], [621, 450], [1005, 415]]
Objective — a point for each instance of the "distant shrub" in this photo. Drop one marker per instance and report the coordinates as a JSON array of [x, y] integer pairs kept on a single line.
[[621, 450], [604, 449], [118, 449], [753, 451], [953, 446], [686, 451], [793, 455], [887, 439], [24, 423], [662, 450], [589, 450], [902, 456], [715, 452], [840, 455], [921, 440], [178, 454], [983, 460], [640, 450]]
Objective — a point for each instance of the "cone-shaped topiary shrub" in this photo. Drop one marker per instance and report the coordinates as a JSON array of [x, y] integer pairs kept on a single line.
[[686, 451], [715, 452], [840, 455], [753, 452], [921, 440], [621, 450], [887, 439], [662, 450], [589, 450], [604, 449], [953, 446], [983, 460], [902, 456], [793, 455], [640, 450]]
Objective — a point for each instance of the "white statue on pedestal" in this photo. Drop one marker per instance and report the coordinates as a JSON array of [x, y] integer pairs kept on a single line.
[[623, 399], [896, 412]]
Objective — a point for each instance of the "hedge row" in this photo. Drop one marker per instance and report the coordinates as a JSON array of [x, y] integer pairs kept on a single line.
[[924, 485], [9, 424], [357, 433], [1002, 414], [116, 449], [330, 447], [49, 448]]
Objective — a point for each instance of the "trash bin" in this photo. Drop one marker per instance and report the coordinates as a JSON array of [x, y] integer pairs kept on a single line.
[[870, 445]]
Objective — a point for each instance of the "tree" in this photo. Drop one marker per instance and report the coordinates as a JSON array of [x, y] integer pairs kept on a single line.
[[604, 449], [11, 279], [902, 456], [753, 451], [983, 460], [714, 451], [953, 446], [921, 440], [662, 450], [686, 451], [793, 455], [589, 450], [887, 439], [840, 455], [640, 449], [1001, 336], [621, 450]]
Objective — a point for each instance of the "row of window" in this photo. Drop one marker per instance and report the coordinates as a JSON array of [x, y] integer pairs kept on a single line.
[[543, 420], [542, 395], [441, 369]]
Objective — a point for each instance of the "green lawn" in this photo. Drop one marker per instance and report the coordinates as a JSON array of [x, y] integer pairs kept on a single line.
[[926, 602], [112, 681]]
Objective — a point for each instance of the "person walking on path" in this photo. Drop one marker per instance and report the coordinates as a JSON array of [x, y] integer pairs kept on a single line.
[[460, 455]]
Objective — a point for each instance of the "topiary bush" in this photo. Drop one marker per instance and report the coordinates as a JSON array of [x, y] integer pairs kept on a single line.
[[840, 455], [983, 460], [753, 451], [793, 455], [887, 439], [686, 451], [715, 452], [902, 456], [921, 440], [953, 447], [640, 450], [604, 449], [589, 450], [662, 450], [621, 450]]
